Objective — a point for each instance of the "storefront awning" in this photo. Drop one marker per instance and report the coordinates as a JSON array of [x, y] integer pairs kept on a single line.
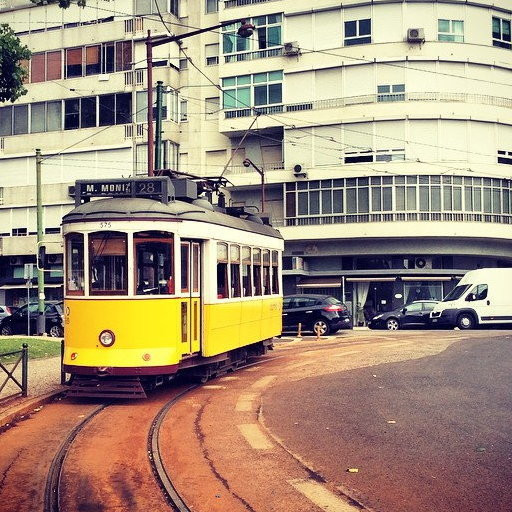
[[23, 287], [369, 279], [336, 282], [426, 278]]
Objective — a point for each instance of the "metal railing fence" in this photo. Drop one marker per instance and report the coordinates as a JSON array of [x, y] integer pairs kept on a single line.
[[23, 359]]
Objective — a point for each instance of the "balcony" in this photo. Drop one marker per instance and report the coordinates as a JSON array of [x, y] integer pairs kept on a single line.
[[258, 54], [241, 169], [440, 97], [240, 3]]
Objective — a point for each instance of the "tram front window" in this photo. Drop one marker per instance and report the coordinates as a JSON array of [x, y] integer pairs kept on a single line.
[[108, 263], [154, 268]]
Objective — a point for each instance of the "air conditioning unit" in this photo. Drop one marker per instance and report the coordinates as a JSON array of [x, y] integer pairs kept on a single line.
[[298, 263], [415, 35], [423, 262], [299, 172], [291, 48], [15, 260]]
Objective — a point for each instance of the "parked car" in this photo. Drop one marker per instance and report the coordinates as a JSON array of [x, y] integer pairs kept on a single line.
[[5, 311], [314, 312], [413, 315], [17, 322]]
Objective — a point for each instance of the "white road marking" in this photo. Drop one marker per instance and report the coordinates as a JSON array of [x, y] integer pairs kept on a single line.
[[254, 436], [213, 386], [322, 497], [253, 369], [244, 402], [229, 378], [264, 381], [341, 354]]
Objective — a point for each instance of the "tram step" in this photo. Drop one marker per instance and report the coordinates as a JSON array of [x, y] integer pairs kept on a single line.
[[106, 388]]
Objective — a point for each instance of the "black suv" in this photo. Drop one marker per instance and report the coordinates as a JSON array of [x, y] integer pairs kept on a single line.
[[322, 312], [17, 322]]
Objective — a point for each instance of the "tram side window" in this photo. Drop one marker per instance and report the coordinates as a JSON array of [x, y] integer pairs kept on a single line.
[[234, 265], [256, 268], [246, 272], [275, 272], [222, 271], [108, 263], [75, 264], [266, 272], [154, 268]]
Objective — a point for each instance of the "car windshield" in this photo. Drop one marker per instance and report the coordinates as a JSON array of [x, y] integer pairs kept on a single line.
[[457, 292]]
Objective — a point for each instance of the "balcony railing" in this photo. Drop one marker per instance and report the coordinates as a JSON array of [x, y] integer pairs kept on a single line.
[[241, 169], [258, 54], [448, 97], [238, 3], [399, 217]]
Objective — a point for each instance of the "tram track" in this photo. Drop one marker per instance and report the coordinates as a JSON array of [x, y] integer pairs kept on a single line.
[[53, 480], [56, 473]]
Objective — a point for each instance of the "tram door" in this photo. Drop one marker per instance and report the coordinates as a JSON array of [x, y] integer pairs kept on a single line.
[[191, 297]]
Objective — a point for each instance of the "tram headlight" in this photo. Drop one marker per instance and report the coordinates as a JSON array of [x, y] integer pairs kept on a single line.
[[107, 338]]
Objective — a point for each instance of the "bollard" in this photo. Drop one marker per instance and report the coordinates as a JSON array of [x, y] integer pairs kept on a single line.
[[317, 330], [24, 370], [299, 333]]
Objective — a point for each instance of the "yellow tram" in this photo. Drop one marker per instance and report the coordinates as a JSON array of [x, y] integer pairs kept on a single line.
[[158, 281]]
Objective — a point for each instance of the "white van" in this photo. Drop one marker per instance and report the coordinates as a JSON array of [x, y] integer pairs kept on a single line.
[[482, 297]]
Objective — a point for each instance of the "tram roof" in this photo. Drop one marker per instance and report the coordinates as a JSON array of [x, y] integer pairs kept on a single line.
[[141, 209]]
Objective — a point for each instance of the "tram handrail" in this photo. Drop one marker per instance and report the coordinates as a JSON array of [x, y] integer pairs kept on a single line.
[[23, 358]]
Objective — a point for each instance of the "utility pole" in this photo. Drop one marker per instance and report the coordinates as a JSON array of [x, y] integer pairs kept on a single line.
[[158, 125], [41, 327]]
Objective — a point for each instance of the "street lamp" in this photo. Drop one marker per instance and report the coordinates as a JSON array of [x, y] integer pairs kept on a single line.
[[249, 163], [245, 30]]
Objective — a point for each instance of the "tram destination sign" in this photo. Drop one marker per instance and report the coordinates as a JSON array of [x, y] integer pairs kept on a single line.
[[159, 188]]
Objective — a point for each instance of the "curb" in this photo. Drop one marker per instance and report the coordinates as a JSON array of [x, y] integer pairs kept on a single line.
[[16, 412]]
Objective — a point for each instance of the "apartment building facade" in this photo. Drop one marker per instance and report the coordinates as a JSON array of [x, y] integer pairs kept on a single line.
[[383, 129]]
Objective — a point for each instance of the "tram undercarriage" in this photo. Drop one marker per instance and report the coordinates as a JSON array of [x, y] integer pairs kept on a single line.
[[105, 385]]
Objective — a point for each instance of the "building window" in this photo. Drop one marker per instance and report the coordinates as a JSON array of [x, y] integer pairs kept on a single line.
[[183, 64], [151, 7], [391, 92], [93, 60], [19, 232], [6, 121], [54, 65], [37, 118], [73, 62], [211, 107], [252, 90], [505, 157], [450, 30], [212, 6], [268, 34], [358, 32], [212, 54], [20, 120], [37, 68], [183, 110], [501, 33]]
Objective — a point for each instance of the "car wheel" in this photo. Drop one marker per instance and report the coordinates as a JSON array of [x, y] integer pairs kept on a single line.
[[322, 327], [466, 321], [56, 331], [6, 330], [392, 324]]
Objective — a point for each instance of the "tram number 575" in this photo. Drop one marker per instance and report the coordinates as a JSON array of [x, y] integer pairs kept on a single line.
[[105, 225]]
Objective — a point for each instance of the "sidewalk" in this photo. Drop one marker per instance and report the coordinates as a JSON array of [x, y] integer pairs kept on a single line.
[[43, 384]]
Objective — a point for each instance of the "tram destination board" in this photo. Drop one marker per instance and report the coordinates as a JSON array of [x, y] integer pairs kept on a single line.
[[159, 188]]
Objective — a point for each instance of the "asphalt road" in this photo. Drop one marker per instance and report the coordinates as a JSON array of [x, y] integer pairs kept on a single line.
[[425, 435]]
